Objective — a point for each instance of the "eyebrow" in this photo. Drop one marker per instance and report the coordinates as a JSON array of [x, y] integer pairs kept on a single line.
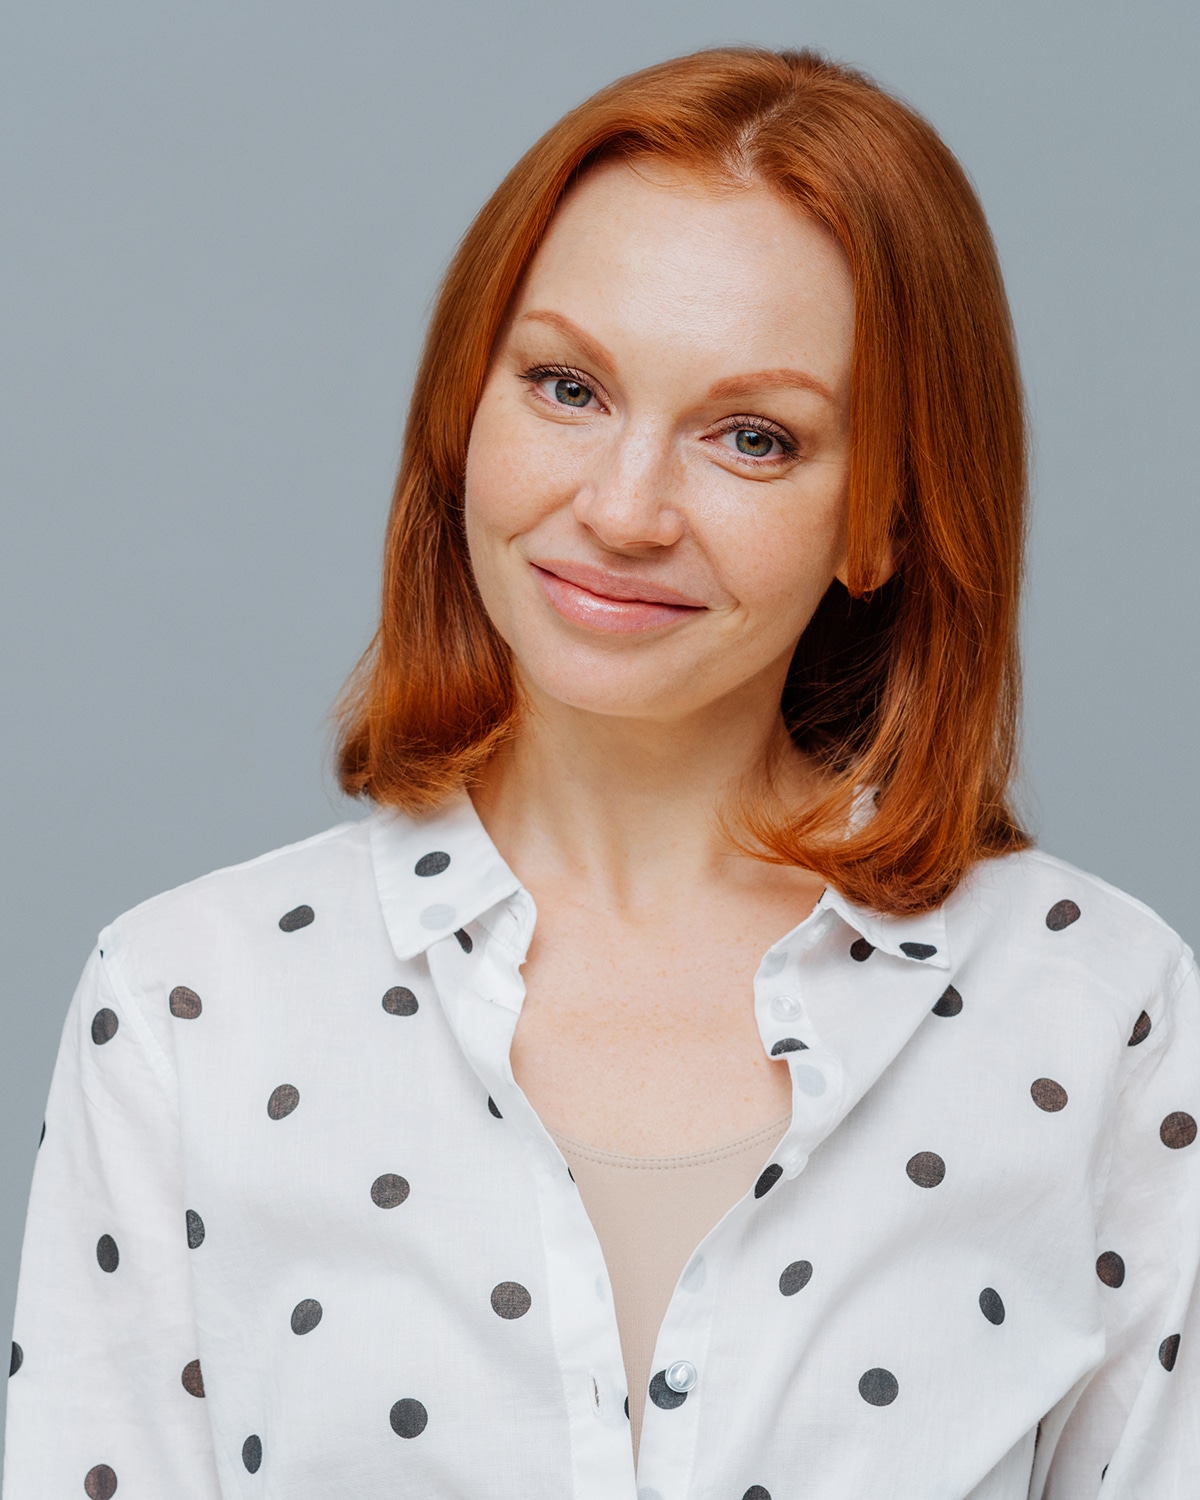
[[731, 387], [591, 349], [767, 380]]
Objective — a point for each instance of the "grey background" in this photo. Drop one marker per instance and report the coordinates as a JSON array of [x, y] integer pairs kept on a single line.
[[223, 224]]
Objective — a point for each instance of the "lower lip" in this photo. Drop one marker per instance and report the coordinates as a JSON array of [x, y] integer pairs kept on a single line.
[[617, 616]]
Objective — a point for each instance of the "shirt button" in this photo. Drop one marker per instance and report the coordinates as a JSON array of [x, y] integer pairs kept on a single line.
[[785, 1007], [809, 1080], [681, 1376]]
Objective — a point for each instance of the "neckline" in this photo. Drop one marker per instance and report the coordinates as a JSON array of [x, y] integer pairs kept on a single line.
[[569, 1144]]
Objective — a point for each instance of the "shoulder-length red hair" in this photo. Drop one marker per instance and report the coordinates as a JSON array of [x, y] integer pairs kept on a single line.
[[911, 689]]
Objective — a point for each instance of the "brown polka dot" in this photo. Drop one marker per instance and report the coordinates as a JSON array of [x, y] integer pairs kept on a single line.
[[399, 1001], [193, 1381], [299, 916], [389, 1191], [1048, 1095], [1061, 915], [104, 1026], [184, 1003], [950, 1003], [1141, 1030], [861, 950], [1177, 1130], [1110, 1268], [408, 1418], [306, 1315], [926, 1169], [100, 1483], [1168, 1352], [283, 1100], [510, 1300]]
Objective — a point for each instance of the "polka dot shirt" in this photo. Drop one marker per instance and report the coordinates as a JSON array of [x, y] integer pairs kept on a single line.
[[295, 1231]]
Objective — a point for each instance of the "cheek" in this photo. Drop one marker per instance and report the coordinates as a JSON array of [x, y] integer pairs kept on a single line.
[[512, 478]]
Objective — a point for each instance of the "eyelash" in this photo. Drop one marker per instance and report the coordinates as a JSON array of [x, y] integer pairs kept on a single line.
[[787, 444]]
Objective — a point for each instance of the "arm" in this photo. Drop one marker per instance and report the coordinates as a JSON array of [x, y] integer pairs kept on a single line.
[[1134, 1431], [106, 1392]]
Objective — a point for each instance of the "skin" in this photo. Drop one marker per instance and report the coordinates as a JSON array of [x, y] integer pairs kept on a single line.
[[662, 316]]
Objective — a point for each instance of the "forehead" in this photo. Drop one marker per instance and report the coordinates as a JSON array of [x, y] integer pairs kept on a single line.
[[649, 250]]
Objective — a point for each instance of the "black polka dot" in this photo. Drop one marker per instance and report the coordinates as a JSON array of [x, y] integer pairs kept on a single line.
[[795, 1278], [991, 1305], [432, 864], [107, 1254], [788, 1044], [570, 1174], [926, 1169], [17, 1360], [918, 950], [510, 1300], [492, 1108], [767, 1179], [1048, 1095], [104, 1026], [1141, 1030], [399, 1001], [1177, 1130], [950, 1003], [42, 1137], [879, 1387], [252, 1453], [1061, 915], [627, 1406], [1110, 1268], [299, 916], [662, 1394], [306, 1315], [100, 1483], [757, 1492], [408, 1418], [389, 1191], [184, 1003], [1168, 1352], [464, 940], [195, 1229], [861, 950], [283, 1100], [192, 1379]]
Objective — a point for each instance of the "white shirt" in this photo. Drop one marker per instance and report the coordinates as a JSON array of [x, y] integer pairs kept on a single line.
[[295, 1232]]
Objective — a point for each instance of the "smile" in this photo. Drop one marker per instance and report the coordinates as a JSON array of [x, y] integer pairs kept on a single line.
[[608, 603]]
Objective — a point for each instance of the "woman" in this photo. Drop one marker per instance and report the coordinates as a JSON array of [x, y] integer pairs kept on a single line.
[[689, 1063]]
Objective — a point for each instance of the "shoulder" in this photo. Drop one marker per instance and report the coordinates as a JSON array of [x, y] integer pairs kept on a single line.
[[1044, 922], [244, 909]]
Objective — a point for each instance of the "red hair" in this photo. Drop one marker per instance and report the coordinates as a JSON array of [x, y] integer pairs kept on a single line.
[[911, 689]]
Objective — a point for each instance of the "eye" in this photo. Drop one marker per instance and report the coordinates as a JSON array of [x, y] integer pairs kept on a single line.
[[562, 386], [758, 441]]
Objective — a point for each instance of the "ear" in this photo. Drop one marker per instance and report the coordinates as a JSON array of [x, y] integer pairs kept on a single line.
[[885, 566]]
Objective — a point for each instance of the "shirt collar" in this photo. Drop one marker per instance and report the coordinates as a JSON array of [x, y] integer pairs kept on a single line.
[[438, 873], [435, 874]]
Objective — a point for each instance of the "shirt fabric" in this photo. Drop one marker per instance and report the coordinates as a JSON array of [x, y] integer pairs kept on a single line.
[[649, 1214], [295, 1232]]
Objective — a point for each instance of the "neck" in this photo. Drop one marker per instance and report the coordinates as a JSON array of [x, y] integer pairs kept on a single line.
[[628, 811]]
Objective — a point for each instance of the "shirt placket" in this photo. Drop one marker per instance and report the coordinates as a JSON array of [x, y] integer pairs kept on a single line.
[[482, 993]]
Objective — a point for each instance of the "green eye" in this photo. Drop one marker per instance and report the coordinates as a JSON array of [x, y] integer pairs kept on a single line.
[[752, 443], [571, 393]]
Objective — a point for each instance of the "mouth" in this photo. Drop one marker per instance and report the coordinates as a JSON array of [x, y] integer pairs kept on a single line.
[[608, 602]]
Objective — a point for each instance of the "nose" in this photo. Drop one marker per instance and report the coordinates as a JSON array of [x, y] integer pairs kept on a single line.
[[630, 499]]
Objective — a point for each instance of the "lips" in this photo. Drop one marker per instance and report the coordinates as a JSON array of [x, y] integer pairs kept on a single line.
[[603, 601]]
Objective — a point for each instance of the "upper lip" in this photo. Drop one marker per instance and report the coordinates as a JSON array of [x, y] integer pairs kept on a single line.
[[616, 585]]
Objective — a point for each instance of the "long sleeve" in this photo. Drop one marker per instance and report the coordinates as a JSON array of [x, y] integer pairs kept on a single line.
[[106, 1391], [1133, 1431]]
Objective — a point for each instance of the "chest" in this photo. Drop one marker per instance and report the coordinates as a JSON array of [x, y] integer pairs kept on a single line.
[[639, 1034]]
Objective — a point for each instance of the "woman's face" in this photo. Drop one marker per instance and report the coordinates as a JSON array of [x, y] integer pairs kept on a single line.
[[656, 478]]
